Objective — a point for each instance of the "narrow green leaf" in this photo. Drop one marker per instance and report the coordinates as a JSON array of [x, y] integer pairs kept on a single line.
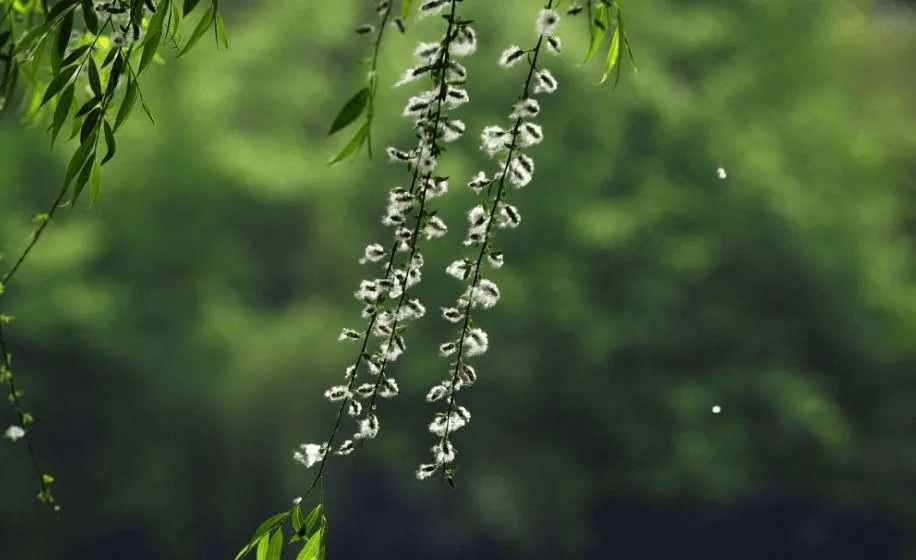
[[263, 529], [312, 518], [83, 178], [405, 8], [221, 31], [598, 28], [148, 112], [153, 37], [78, 159], [127, 104], [55, 61], [199, 31], [59, 9], [63, 34], [613, 54], [351, 110], [114, 75], [263, 547], [38, 55], [310, 549], [110, 142], [149, 49], [8, 88], [87, 106], [95, 82], [58, 83], [353, 145], [74, 54], [110, 57], [135, 10], [75, 128], [189, 6], [155, 22], [61, 111], [90, 124], [298, 519], [175, 21], [90, 17], [96, 182], [30, 38], [276, 545]]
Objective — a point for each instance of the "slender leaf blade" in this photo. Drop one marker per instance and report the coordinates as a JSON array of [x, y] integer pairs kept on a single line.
[[613, 55], [30, 38], [74, 54], [310, 549], [63, 34], [149, 49], [263, 547], [87, 106], [351, 110], [298, 519], [353, 145], [38, 55], [263, 529], [83, 178], [58, 83], [61, 111], [95, 182], [95, 82], [312, 518], [59, 8], [114, 75], [221, 31], [110, 142], [199, 31], [127, 104], [110, 57], [275, 550], [90, 17], [90, 123], [598, 29], [189, 5]]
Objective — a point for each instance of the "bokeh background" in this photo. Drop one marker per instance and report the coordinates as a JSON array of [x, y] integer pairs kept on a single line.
[[174, 339]]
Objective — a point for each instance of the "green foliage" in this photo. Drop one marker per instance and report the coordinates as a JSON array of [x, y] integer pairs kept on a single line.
[[208, 19], [351, 110], [66, 69], [267, 541], [353, 145]]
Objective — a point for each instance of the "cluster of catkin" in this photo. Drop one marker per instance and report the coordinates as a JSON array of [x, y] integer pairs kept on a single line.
[[388, 304]]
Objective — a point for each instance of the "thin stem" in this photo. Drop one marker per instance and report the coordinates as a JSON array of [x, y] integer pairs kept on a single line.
[[373, 78], [45, 494], [7, 367]]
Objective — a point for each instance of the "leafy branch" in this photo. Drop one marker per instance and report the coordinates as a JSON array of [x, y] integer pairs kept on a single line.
[[25, 56]]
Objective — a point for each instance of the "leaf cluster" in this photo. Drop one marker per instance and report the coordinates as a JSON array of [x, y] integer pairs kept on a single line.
[[268, 540]]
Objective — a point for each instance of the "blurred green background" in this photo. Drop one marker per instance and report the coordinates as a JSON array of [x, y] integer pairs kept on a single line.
[[174, 340]]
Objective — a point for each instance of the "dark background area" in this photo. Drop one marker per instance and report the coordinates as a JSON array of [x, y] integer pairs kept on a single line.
[[175, 339]]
